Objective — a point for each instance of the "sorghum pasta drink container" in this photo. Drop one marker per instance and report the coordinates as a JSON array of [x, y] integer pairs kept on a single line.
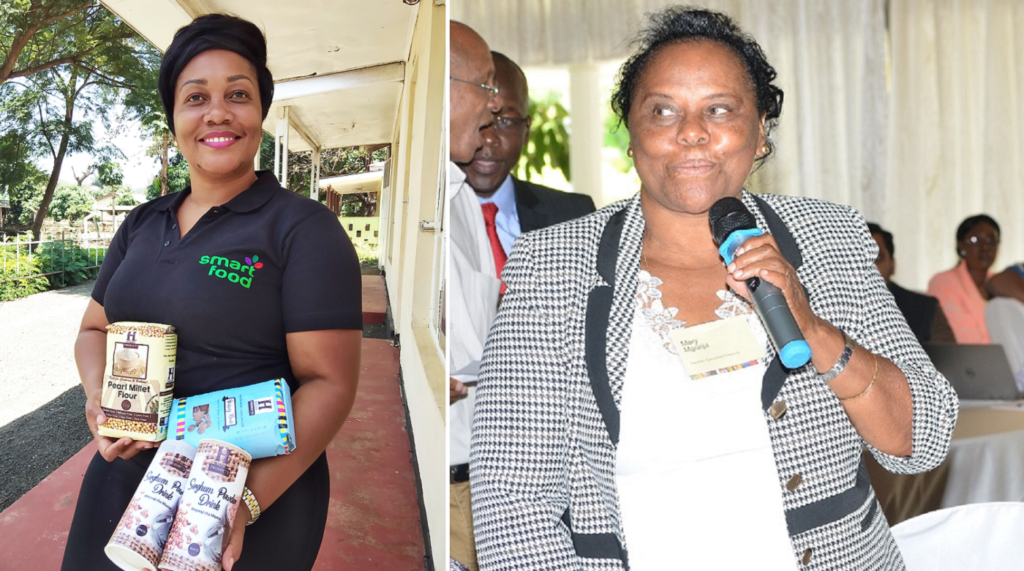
[[207, 509], [139, 538], [138, 380]]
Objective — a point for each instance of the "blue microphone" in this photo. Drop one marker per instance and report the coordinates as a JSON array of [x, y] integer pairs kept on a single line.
[[732, 225]]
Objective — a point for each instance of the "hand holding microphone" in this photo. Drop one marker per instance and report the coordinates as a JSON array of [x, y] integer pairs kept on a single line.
[[732, 225]]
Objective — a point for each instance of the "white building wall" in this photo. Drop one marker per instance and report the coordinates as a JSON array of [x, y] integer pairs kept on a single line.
[[409, 264]]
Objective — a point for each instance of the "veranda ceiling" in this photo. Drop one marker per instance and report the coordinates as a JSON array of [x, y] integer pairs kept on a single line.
[[338, 64]]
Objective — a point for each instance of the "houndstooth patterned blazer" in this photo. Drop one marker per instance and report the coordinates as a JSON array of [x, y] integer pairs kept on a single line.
[[547, 414]]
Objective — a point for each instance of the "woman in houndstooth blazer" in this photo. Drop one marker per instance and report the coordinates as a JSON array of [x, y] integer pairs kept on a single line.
[[555, 442]]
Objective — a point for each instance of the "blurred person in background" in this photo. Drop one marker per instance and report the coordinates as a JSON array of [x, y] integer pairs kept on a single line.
[[962, 290], [922, 312], [521, 206]]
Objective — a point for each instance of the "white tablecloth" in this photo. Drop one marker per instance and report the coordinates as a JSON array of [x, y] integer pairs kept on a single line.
[[986, 457]]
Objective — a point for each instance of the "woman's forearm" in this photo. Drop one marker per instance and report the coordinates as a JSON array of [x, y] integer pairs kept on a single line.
[[319, 408], [326, 364], [91, 347], [883, 414], [91, 359]]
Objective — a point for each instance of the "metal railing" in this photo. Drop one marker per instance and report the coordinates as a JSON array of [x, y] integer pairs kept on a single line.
[[18, 254]]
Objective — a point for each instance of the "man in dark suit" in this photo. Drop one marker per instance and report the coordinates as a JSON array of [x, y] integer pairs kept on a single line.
[[922, 312], [521, 206]]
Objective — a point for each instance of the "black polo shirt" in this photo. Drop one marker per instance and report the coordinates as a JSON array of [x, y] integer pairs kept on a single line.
[[267, 263]]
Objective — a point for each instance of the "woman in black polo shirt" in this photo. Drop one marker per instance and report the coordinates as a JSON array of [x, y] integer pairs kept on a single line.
[[297, 315]]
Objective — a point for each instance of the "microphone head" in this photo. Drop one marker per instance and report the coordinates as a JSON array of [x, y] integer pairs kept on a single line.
[[728, 215]]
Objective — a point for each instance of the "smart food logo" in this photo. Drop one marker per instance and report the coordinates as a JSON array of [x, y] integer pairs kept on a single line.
[[232, 270]]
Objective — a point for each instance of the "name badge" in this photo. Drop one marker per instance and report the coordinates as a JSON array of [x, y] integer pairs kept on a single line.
[[717, 347]]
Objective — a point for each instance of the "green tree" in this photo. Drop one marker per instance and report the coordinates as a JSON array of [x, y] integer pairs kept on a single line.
[[71, 55], [71, 202], [177, 177], [37, 35], [109, 175], [616, 136], [548, 144]]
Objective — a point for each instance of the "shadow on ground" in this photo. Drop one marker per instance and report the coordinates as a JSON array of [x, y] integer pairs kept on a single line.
[[39, 442]]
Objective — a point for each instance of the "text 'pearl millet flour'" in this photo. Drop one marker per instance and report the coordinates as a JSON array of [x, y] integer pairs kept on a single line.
[[138, 380]]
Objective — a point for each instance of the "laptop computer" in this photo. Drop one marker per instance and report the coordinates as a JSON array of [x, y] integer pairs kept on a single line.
[[977, 372]]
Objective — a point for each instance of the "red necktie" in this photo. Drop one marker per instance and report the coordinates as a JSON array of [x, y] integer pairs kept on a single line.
[[490, 212]]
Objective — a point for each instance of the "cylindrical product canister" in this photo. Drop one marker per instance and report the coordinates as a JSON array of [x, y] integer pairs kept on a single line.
[[139, 538], [207, 508]]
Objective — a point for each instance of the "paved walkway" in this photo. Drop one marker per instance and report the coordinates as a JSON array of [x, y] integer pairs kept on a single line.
[[37, 340]]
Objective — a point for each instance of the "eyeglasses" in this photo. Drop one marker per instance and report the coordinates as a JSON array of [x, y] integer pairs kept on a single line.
[[508, 123], [986, 240], [492, 91]]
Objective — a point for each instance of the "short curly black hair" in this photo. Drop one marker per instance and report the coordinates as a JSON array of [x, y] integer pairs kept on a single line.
[[215, 32], [678, 24]]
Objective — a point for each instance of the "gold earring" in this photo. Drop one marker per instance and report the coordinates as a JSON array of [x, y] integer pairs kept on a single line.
[[764, 149], [629, 152]]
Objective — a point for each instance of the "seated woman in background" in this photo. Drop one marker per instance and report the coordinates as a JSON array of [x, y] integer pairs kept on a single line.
[[961, 290]]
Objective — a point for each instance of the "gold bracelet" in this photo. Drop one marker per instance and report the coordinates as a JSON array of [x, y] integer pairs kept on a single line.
[[871, 384], [254, 506]]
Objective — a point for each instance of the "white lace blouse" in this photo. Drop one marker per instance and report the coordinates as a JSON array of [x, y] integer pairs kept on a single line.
[[695, 472]]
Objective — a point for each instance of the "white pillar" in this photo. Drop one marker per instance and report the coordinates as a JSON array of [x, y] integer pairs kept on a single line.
[[284, 149], [314, 176], [587, 137], [281, 146], [281, 126]]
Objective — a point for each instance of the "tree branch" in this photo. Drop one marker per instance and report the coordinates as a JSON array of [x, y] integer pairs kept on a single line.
[[111, 81], [42, 127], [45, 66]]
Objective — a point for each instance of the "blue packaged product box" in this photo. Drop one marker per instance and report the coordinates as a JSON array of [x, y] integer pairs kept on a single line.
[[256, 418]]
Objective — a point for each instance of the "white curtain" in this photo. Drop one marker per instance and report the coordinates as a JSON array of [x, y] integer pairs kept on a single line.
[[957, 129], [830, 57], [941, 141]]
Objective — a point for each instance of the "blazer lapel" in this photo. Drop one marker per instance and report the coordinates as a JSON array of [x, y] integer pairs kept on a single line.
[[775, 374], [609, 312]]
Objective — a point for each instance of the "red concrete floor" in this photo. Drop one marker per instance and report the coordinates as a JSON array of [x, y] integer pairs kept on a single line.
[[375, 300], [373, 521]]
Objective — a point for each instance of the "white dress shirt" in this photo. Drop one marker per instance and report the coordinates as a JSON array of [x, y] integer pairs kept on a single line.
[[507, 220], [473, 301]]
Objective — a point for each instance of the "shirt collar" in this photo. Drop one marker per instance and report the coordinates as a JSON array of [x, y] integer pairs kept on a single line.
[[250, 199], [504, 197]]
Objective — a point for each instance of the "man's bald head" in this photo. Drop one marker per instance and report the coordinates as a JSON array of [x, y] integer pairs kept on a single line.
[[471, 105], [511, 80]]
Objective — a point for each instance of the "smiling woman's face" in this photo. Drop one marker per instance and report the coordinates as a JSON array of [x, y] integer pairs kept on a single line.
[[217, 115], [694, 126]]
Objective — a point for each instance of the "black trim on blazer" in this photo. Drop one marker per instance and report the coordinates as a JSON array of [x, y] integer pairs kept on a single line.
[[599, 308], [596, 545], [834, 508], [775, 374]]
